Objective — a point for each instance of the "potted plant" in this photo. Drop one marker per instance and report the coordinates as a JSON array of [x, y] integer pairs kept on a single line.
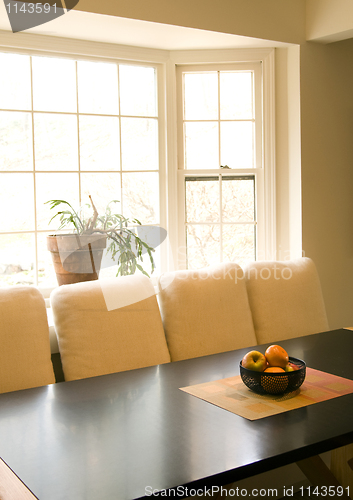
[[77, 256]]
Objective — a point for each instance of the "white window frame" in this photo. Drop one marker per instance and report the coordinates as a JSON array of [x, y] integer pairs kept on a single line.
[[264, 172]]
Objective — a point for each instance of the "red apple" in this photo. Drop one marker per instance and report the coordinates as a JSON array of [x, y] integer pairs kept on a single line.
[[254, 360], [276, 356], [291, 367]]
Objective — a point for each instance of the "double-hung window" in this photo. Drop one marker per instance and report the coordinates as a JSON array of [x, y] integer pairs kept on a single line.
[[220, 163]]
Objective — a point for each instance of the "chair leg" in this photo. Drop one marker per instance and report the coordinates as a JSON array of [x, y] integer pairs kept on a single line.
[[319, 474]]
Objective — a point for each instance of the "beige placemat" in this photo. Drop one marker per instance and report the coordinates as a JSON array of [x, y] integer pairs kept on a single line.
[[11, 487], [232, 395]]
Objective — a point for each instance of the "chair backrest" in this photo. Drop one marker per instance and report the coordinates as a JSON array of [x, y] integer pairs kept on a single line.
[[205, 311], [285, 299], [95, 339], [25, 358]]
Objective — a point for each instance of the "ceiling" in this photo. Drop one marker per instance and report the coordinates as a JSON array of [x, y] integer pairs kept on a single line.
[[122, 31]]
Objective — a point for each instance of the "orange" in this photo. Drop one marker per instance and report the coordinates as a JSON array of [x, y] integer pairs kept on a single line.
[[276, 356], [274, 369], [274, 384]]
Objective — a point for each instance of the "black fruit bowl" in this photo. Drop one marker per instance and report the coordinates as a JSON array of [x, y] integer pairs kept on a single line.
[[274, 383]]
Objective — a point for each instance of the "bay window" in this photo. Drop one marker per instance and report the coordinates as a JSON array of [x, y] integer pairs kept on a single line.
[[184, 145]]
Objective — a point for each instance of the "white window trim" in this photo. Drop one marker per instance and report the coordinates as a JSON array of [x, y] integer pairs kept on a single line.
[[266, 205]]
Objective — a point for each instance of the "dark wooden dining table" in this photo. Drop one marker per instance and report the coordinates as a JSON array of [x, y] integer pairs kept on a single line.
[[125, 435]]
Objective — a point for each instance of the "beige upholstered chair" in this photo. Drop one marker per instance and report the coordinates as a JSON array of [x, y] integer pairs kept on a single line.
[[286, 302], [24, 340], [285, 299], [97, 337], [206, 311]]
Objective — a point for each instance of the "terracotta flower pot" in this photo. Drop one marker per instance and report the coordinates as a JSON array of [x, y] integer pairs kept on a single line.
[[75, 257]]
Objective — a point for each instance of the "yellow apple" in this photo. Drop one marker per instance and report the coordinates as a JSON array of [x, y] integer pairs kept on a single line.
[[254, 360]]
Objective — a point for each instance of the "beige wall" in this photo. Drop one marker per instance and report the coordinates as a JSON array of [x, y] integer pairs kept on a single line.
[[288, 158], [320, 157], [327, 171], [281, 20], [329, 20]]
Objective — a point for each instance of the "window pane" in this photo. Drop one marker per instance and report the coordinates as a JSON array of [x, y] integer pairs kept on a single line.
[[202, 199], [55, 142], [17, 202], [99, 143], [139, 144], [15, 81], [238, 203], [237, 144], [138, 96], [17, 257], [236, 95], [54, 84], [157, 262], [238, 243], [109, 269], [141, 197], [15, 141], [54, 187], [151, 235], [46, 272], [97, 88], [201, 96], [203, 245], [201, 145], [103, 188]]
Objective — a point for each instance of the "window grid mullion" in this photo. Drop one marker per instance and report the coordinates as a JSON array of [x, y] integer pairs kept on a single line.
[[231, 223], [205, 120], [219, 117], [78, 138], [220, 218], [219, 164], [35, 270], [120, 144], [74, 113]]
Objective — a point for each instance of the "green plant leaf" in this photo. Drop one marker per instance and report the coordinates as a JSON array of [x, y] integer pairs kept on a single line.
[[122, 241]]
